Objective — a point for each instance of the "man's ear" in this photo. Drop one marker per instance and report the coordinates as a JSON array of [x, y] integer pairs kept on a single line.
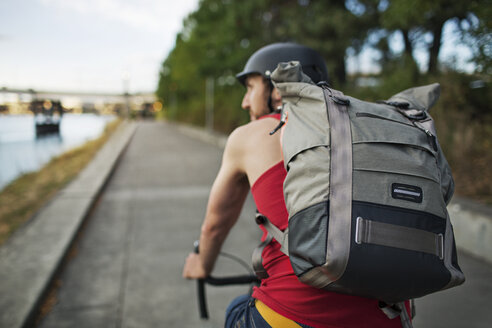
[[276, 98]]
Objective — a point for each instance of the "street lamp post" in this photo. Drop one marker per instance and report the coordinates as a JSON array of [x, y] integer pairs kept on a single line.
[[209, 103]]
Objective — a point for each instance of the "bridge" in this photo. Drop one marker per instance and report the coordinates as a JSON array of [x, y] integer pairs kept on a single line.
[[16, 100]]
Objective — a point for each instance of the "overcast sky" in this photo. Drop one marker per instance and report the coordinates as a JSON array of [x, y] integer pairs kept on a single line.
[[87, 45], [97, 45]]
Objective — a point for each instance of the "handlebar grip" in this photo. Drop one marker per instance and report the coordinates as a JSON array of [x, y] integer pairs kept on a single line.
[[200, 284], [202, 303]]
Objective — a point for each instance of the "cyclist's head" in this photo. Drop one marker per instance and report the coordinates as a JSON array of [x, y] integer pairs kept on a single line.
[[265, 60], [260, 97]]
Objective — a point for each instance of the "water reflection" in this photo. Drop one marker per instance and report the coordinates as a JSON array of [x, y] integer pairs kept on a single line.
[[21, 151]]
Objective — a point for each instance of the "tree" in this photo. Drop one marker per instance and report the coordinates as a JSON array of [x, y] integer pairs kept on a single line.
[[421, 23], [477, 33], [217, 39]]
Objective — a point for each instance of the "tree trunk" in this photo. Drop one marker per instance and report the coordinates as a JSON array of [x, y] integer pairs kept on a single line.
[[435, 48], [408, 52], [408, 44], [340, 71]]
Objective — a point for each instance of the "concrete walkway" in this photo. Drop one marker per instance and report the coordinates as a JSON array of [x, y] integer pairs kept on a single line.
[[126, 271], [125, 267]]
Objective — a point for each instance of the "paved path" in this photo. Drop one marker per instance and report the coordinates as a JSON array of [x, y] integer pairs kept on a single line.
[[125, 270]]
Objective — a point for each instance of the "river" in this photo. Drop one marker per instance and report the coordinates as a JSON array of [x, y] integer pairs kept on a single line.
[[21, 151]]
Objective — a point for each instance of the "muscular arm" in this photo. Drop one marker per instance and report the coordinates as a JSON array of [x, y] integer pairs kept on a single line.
[[224, 206], [248, 153]]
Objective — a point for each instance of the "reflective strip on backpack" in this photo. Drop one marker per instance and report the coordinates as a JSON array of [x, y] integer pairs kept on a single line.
[[392, 235]]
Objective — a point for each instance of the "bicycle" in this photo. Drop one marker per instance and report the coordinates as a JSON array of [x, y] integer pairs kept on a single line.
[[244, 279]]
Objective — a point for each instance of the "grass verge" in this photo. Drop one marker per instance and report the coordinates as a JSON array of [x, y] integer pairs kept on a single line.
[[23, 197]]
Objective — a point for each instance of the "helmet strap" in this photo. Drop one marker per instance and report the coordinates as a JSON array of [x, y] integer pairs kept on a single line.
[[270, 101]]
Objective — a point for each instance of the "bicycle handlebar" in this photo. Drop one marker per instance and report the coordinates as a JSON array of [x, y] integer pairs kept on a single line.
[[218, 281], [232, 280]]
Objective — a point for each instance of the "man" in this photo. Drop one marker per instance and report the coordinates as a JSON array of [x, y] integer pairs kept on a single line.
[[253, 159]]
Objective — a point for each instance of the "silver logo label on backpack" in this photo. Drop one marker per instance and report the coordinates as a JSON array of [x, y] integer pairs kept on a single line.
[[406, 192]]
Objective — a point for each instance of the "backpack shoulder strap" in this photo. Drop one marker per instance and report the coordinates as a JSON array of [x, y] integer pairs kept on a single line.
[[273, 232], [280, 236]]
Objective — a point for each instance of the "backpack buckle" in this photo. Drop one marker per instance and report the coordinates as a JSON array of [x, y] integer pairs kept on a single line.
[[419, 116], [260, 218]]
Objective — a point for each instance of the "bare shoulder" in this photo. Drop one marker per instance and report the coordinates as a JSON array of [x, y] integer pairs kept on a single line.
[[253, 148], [255, 130]]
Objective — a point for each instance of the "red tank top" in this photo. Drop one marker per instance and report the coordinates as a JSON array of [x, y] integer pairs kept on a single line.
[[284, 293]]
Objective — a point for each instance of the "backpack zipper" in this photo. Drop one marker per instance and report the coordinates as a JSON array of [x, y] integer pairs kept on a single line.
[[430, 137]]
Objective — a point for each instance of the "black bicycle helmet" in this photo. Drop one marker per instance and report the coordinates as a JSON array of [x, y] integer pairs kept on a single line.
[[265, 60]]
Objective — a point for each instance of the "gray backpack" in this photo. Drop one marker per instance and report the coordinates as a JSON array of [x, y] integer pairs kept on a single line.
[[366, 191]]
